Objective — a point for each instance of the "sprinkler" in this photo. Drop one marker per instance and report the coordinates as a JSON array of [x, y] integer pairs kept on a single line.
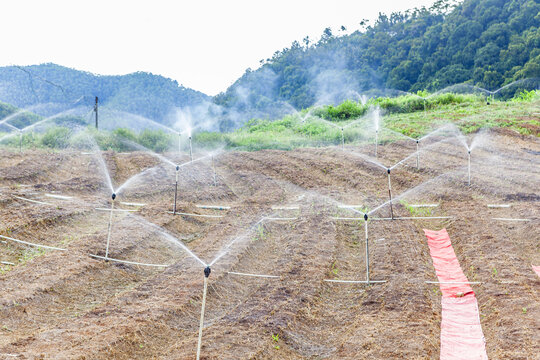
[[207, 271], [390, 194], [20, 141], [342, 140], [417, 155], [214, 168], [176, 190], [367, 248], [469, 161], [113, 196], [190, 147]]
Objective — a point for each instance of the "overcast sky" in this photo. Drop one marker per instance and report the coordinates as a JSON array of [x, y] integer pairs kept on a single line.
[[204, 45]]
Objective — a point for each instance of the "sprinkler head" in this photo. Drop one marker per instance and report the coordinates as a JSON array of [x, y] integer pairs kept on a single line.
[[207, 271], [388, 170], [365, 217], [177, 167], [417, 141], [469, 151], [113, 196]]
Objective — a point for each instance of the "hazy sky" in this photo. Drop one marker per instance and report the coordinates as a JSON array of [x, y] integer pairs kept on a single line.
[[204, 45]]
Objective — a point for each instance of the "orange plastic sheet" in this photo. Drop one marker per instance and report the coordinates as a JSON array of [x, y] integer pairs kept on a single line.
[[536, 269], [461, 331]]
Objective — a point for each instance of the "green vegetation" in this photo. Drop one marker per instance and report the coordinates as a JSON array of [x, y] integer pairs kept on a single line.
[[402, 114], [488, 43]]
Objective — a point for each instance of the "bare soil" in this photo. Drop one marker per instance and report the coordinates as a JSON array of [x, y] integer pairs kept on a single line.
[[69, 305]]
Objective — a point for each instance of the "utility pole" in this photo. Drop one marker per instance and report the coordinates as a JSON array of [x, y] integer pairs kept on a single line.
[[96, 111]]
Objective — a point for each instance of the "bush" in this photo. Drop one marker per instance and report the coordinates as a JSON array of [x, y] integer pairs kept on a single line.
[[155, 140], [344, 111], [56, 138]]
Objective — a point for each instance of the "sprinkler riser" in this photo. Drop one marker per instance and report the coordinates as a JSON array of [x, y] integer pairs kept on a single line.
[[109, 227], [190, 150], [390, 196], [367, 250], [175, 191], [469, 167], [376, 141], [417, 155], [203, 305]]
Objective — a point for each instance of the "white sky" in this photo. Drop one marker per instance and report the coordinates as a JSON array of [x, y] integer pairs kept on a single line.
[[203, 44]]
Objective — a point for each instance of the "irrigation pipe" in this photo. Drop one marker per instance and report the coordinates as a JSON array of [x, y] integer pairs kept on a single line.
[[423, 205], [7, 263], [214, 207], [61, 197], [280, 219], [508, 219], [32, 244], [126, 262], [499, 205], [116, 210], [131, 204], [285, 207], [197, 215], [253, 275], [32, 201], [396, 218]]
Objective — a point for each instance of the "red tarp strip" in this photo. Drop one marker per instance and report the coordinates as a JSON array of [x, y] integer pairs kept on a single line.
[[536, 269], [446, 264], [461, 331]]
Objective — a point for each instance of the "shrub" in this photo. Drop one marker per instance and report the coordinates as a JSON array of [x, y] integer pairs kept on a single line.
[[56, 138]]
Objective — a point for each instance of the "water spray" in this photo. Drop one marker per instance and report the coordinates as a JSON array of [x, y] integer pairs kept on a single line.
[[113, 196], [179, 143], [176, 190], [207, 271], [390, 194]]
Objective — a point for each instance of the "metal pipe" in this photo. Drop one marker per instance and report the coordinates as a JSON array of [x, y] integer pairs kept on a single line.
[[469, 161], [110, 226], [376, 141], [214, 168], [417, 156], [176, 190], [203, 305], [20, 141], [367, 248], [390, 195], [190, 149]]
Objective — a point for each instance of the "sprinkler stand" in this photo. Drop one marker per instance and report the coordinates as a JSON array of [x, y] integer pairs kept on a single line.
[[214, 169], [20, 141], [190, 149], [342, 140], [390, 194], [417, 155], [207, 271], [110, 226], [469, 161], [176, 190], [376, 141], [367, 248]]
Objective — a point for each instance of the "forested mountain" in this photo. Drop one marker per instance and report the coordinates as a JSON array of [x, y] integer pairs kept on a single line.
[[141, 93], [488, 43]]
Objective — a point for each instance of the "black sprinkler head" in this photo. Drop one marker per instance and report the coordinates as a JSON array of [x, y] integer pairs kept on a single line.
[[207, 271], [417, 141], [113, 196], [388, 170], [177, 167], [365, 217]]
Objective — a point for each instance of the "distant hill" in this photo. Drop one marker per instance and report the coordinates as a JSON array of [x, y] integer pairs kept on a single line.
[[489, 43], [141, 93]]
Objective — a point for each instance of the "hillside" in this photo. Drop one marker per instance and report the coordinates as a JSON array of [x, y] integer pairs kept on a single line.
[[488, 43], [144, 94]]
